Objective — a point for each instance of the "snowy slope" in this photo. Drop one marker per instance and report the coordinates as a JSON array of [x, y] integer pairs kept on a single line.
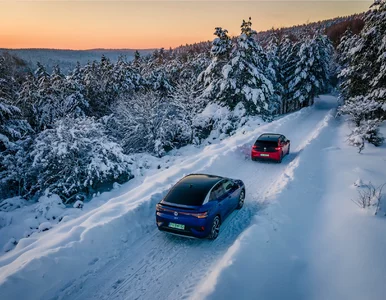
[[115, 251]]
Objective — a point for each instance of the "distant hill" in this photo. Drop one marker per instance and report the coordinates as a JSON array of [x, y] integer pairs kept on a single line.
[[67, 59]]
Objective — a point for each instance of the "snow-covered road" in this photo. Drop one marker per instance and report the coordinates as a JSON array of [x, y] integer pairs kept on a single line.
[[116, 251]]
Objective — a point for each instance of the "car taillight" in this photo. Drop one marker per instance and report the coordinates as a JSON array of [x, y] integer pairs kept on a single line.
[[277, 148], [254, 147], [159, 207], [200, 215]]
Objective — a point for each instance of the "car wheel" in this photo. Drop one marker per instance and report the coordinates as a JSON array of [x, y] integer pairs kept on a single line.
[[281, 158], [288, 149], [241, 200], [215, 229]]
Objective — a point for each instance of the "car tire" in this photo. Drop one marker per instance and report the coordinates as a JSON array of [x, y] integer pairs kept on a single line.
[[241, 199], [281, 158], [215, 228], [288, 152]]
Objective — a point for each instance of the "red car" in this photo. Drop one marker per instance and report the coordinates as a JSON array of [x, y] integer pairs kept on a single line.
[[270, 146]]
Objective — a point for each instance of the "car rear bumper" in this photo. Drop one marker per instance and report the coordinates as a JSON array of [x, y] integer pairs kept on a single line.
[[192, 228], [256, 155]]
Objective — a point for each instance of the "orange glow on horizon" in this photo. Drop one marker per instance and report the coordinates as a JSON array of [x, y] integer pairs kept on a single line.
[[143, 25]]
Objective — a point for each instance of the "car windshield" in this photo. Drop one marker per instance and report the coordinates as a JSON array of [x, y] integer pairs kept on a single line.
[[266, 143], [186, 194]]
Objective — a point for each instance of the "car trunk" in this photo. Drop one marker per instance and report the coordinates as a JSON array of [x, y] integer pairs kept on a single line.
[[266, 146]]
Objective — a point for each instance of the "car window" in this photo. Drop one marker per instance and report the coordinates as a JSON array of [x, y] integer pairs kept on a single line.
[[267, 144], [227, 185], [217, 192]]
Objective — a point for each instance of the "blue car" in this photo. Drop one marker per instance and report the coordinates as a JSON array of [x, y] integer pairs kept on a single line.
[[197, 205]]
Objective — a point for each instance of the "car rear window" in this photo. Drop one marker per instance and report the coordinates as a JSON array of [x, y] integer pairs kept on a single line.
[[266, 143], [186, 194]]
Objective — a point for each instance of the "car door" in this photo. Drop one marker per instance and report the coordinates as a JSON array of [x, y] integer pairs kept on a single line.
[[283, 144], [218, 194], [229, 196], [286, 144]]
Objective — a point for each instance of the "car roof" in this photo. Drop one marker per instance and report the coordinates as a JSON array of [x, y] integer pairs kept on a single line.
[[201, 180], [192, 189], [269, 137]]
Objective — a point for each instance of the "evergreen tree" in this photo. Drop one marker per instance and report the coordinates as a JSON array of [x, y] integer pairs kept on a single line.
[[186, 103], [364, 75], [311, 76], [245, 78], [365, 72], [275, 59], [220, 52], [288, 60]]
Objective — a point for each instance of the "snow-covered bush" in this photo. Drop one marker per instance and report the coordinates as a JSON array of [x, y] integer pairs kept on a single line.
[[360, 108], [45, 226], [10, 245], [50, 207], [11, 204], [218, 122], [75, 158], [366, 131], [149, 122], [79, 204], [369, 197]]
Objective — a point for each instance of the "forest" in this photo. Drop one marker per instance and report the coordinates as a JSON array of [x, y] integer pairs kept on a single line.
[[75, 134]]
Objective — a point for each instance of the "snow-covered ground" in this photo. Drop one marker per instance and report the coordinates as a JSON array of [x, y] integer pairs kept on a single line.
[[298, 235], [312, 242]]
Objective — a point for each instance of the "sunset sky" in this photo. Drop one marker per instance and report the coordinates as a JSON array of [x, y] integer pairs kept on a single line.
[[149, 24]]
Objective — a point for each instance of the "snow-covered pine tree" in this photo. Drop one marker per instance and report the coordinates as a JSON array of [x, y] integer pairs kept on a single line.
[[245, 78], [275, 59], [365, 73], [221, 45], [99, 90], [288, 58], [13, 131], [324, 51], [137, 57], [143, 123], [212, 76], [159, 82], [43, 104], [186, 103], [311, 76], [377, 21], [53, 97]]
